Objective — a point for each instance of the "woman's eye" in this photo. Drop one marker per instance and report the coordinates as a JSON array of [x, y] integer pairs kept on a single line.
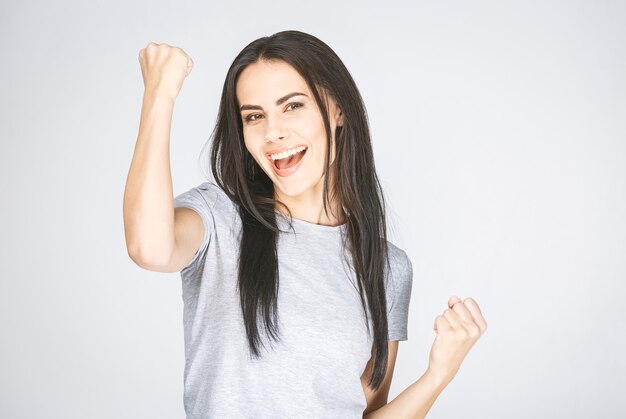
[[255, 116], [250, 118], [295, 104]]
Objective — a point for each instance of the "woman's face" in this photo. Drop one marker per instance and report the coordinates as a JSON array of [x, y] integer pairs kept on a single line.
[[279, 115]]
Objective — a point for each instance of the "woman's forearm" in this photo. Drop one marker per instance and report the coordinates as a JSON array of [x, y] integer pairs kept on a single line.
[[148, 198], [414, 402]]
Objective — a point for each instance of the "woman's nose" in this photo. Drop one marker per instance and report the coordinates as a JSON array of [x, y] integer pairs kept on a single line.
[[275, 130]]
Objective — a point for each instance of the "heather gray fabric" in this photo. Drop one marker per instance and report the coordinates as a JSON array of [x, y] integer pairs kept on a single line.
[[315, 369]]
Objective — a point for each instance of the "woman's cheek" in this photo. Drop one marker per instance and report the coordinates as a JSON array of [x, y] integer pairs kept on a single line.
[[311, 128]]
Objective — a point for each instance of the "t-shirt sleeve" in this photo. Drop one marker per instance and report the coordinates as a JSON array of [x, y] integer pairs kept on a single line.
[[199, 199], [399, 297]]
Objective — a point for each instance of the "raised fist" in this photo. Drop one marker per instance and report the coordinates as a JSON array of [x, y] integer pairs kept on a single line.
[[458, 329], [164, 68]]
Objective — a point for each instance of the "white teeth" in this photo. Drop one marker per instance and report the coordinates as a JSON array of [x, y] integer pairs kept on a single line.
[[288, 153]]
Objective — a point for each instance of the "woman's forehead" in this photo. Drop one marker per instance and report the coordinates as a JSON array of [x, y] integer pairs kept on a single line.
[[266, 81]]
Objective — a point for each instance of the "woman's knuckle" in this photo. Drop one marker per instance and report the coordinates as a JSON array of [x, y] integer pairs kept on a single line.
[[473, 331]]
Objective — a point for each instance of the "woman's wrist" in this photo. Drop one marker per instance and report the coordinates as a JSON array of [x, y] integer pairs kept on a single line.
[[438, 377]]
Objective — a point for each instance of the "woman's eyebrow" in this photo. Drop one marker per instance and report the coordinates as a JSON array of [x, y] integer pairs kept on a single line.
[[278, 102]]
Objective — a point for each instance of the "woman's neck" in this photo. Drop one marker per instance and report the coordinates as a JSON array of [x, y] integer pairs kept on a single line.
[[309, 207]]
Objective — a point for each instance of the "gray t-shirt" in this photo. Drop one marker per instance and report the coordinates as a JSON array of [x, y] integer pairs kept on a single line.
[[315, 369]]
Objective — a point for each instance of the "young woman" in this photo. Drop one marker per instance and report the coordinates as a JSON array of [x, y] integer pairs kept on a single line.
[[294, 300]]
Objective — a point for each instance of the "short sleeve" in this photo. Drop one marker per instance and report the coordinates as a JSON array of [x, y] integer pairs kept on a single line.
[[399, 297], [200, 199]]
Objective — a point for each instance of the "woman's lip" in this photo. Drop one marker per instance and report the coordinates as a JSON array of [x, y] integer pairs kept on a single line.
[[289, 171], [282, 149]]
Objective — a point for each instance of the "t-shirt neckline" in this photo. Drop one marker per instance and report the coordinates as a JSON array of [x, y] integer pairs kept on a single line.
[[306, 226]]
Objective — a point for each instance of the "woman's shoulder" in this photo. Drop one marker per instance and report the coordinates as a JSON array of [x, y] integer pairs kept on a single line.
[[209, 198], [210, 188], [210, 191], [399, 264], [397, 256]]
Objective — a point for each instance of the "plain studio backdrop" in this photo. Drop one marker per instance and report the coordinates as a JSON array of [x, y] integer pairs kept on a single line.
[[499, 133]]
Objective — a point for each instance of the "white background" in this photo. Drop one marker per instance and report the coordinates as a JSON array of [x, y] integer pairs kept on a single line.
[[499, 134]]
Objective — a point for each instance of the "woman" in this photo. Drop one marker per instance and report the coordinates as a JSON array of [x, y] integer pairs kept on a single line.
[[286, 247]]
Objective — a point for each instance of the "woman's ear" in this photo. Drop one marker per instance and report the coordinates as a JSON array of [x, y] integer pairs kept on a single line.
[[339, 117]]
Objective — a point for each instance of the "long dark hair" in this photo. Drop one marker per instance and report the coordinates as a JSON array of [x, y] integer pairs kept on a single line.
[[356, 187]]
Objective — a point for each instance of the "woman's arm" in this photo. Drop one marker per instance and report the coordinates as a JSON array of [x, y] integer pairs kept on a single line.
[[148, 197], [458, 329], [414, 402], [149, 223]]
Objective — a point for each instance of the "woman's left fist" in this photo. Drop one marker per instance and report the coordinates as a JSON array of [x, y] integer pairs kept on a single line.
[[458, 329]]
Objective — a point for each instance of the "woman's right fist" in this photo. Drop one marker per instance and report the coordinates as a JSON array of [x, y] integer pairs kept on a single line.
[[164, 69]]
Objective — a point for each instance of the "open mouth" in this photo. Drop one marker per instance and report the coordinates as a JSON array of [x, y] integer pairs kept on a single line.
[[289, 161]]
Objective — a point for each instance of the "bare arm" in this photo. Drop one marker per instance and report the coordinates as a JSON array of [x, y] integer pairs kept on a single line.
[[149, 216], [148, 197], [458, 329], [414, 402]]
